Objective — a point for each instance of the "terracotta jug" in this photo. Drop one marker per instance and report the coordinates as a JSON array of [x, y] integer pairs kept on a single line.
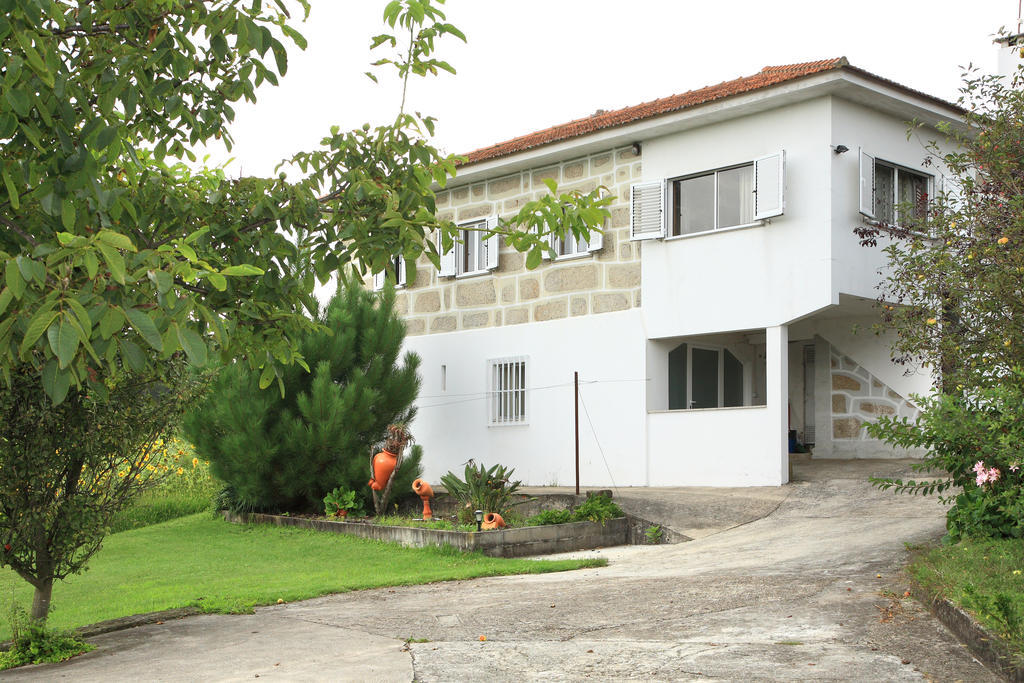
[[492, 520], [423, 490], [383, 465]]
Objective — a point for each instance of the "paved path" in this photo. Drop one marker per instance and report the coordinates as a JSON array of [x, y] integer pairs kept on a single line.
[[780, 584]]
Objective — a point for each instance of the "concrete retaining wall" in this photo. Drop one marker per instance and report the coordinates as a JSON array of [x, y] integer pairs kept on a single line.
[[518, 542]]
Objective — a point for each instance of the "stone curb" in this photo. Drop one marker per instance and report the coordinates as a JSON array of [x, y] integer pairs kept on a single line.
[[122, 623], [987, 647]]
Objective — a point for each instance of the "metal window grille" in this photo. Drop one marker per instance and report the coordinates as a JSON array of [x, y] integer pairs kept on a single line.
[[507, 391]]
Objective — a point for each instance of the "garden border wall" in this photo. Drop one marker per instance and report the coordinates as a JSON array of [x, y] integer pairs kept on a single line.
[[516, 542]]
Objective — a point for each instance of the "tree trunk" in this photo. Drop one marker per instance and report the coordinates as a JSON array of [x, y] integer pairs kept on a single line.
[[41, 600]]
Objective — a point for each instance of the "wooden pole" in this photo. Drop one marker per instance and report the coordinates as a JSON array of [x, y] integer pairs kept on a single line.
[[576, 392]]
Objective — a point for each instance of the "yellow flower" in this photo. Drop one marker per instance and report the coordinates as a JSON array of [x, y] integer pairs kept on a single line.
[[932, 321], [195, 462], [1003, 240], [181, 471], [121, 473], [150, 468], [1006, 343], [1016, 572]]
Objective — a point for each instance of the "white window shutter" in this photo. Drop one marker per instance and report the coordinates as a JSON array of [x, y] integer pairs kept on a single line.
[[401, 271], [867, 183], [647, 211], [769, 185], [491, 245], [378, 280], [596, 240], [447, 267]]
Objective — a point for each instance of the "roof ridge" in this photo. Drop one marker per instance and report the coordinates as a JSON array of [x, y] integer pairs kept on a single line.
[[768, 76], [834, 63]]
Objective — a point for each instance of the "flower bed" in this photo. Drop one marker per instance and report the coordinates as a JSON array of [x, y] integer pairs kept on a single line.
[[510, 542]]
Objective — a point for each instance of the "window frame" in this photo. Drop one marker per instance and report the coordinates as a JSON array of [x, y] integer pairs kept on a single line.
[[398, 263], [670, 198], [652, 203], [454, 261], [930, 180], [720, 389], [501, 398]]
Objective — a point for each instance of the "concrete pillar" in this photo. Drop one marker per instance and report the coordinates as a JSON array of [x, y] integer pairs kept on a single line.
[[777, 371]]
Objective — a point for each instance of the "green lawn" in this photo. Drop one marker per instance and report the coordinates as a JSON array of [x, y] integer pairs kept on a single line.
[[984, 577], [206, 562]]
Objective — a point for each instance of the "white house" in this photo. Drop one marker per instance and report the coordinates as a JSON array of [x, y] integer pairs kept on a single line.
[[727, 302]]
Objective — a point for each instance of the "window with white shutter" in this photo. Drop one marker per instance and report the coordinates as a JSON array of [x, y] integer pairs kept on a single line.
[[398, 265], [474, 252], [647, 211], [892, 194], [769, 184]]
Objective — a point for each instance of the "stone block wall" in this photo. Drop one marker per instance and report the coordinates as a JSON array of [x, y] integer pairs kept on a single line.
[[858, 397], [607, 280]]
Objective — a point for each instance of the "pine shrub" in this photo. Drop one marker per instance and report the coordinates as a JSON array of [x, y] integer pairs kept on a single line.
[[287, 452]]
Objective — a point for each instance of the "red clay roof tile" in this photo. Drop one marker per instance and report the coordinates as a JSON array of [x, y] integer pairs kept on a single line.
[[768, 76]]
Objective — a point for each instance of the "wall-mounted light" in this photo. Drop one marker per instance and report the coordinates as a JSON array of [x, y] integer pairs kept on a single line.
[[840, 149], [479, 518], [637, 149]]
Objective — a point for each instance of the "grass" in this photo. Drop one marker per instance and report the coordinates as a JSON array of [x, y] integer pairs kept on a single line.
[[220, 567], [159, 505], [984, 577]]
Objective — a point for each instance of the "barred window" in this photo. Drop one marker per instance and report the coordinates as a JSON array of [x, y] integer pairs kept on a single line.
[[507, 391]]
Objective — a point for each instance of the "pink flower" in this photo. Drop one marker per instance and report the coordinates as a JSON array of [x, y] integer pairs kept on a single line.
[[981, 478], [1014, 467], [993, 475], [979, 467]]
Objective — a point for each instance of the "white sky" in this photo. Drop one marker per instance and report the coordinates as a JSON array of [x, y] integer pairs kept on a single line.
[[530, 64]]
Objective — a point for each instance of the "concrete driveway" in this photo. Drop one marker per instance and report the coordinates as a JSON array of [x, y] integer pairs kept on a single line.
[[798, 582]]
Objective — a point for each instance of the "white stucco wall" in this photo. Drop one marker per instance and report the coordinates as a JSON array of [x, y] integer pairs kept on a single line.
[[752, 277], [855, 268], [728, 446], [608, 352]]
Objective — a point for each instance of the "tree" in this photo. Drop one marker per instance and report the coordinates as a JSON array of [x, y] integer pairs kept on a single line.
[[119, 259], [954, 292], [955, 297], [111, 245], [286, 453], [66, 469]]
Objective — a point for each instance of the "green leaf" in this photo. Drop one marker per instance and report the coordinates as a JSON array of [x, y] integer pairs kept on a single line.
[[132, 355], [56, 382], [193, 344], [112, 322], [115, 262], [116, 240], [105, 137], [63, 341], [145, 326], [218, 281], [67, 215], [15, 282], [162, 279], [242, 270], [36, 326], [5, 299], [92, 263], [83, 317], [12, 190], [267, 376]]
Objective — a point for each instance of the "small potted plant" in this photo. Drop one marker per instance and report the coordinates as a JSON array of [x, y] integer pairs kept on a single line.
[[341, 501]]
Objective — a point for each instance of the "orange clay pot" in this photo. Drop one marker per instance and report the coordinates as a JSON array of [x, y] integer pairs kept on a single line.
[[383, 465], [492, 520], [423, 490]]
